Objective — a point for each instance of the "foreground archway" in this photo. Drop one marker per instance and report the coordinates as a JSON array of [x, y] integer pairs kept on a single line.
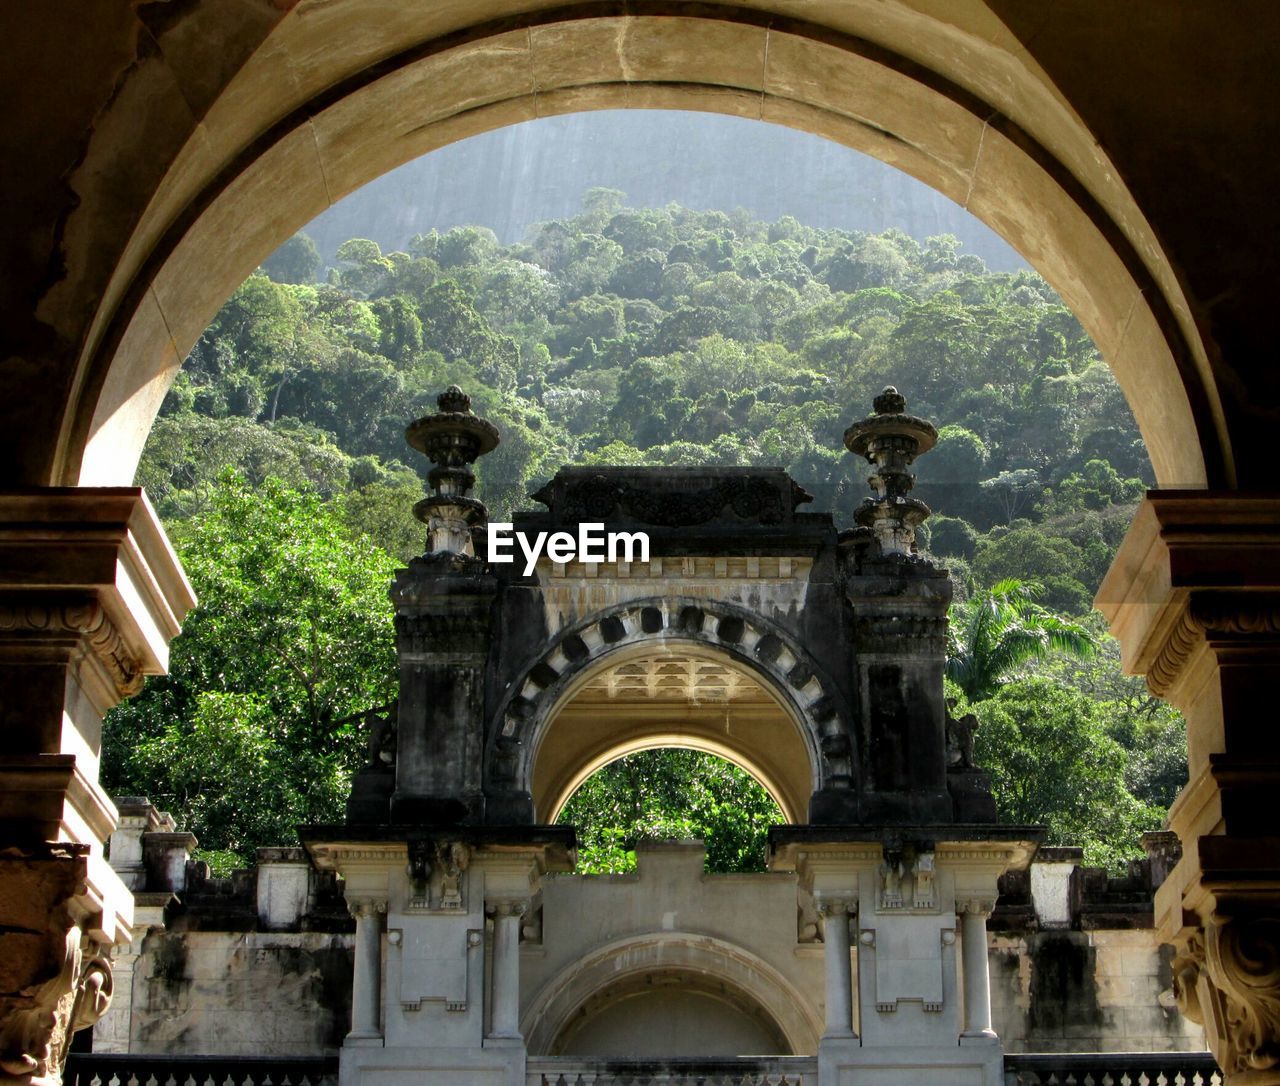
[[105, 202], [222, 209]]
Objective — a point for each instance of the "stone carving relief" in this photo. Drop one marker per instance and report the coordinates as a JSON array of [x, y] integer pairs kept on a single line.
[[960, 737], [907, 879], [452, 859], [436, 870], [891, 874], [382, 723], [1227, 978], [37, 1021], [924, 896]]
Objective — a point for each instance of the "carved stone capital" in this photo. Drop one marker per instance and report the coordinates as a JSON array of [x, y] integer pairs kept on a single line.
[[980, 906], [1214, 619], [56, 975], [835, 906], [366, 908], [1195, 567], [45, 627], [1227, 978], [508, 908]]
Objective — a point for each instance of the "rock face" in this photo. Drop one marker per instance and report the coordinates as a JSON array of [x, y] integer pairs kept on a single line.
[[513, 177]]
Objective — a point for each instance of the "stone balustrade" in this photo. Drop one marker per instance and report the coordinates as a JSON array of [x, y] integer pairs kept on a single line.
[[1112, 1069]]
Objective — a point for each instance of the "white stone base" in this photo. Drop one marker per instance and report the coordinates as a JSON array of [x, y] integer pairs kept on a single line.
[[497, 1065], [846, 1063]]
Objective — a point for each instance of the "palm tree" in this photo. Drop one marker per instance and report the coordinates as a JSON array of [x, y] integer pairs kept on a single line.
[[1002, 627]]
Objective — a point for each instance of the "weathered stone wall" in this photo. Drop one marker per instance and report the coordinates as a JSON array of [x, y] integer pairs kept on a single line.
[[1087, 991], [241, 993], [261, 964]]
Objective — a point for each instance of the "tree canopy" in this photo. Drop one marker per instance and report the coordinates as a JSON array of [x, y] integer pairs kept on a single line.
[[253, 731]]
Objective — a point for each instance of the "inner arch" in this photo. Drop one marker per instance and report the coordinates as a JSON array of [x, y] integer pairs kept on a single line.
[[666, 741], [676, 694]]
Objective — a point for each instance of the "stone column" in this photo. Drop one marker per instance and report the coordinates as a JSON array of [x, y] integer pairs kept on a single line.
[[90, 596], [835, 913], [1194, 599], [977, 972], [507, 918], [366, 987]]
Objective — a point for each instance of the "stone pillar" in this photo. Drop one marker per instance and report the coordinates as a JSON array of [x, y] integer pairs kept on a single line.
[[366, 987], [507, 919], [899, 604], [444, 618], [1194, 599], [836, 913], [977, 972], [284, 887], [90, 596], [138, 817]]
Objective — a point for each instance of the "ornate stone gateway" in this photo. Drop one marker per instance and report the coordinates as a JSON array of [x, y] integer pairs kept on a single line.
[[752, 629]]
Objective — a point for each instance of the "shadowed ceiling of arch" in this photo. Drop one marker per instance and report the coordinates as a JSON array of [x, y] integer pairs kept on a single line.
[[673, 678]]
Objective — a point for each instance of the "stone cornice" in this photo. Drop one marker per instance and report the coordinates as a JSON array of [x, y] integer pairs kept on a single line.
[[92, 563], [1178, 577], [1211, 616], [341, 855]]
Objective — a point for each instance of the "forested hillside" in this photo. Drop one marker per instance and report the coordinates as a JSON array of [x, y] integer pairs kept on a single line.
[[673, 336], [526, 173]]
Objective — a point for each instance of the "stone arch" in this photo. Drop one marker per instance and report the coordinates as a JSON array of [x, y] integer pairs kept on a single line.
[[740, 972], [708, 628], [977, 122], [559, 792]]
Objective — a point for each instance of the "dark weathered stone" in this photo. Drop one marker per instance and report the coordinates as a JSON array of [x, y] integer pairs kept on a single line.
[[856, 651]]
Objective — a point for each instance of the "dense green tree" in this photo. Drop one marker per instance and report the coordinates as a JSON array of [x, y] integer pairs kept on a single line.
[[1053, 762], [671, 793], [254, 729], [361, 267], [296, 261]]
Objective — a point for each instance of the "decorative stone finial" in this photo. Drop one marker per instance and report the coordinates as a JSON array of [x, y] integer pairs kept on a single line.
[[891, 439], [890, 402], [454, 401], [452, 439]]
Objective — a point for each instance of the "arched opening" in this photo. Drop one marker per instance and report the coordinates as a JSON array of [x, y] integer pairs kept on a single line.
[[670, 1013], [682, 695], [621, 999], [223, 216], [666, 794]]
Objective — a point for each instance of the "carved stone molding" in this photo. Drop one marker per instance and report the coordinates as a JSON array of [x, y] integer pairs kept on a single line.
[[454, 633], [836, 906], [1227, 978], [897, 633], [33, 621], [1207, 616]]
